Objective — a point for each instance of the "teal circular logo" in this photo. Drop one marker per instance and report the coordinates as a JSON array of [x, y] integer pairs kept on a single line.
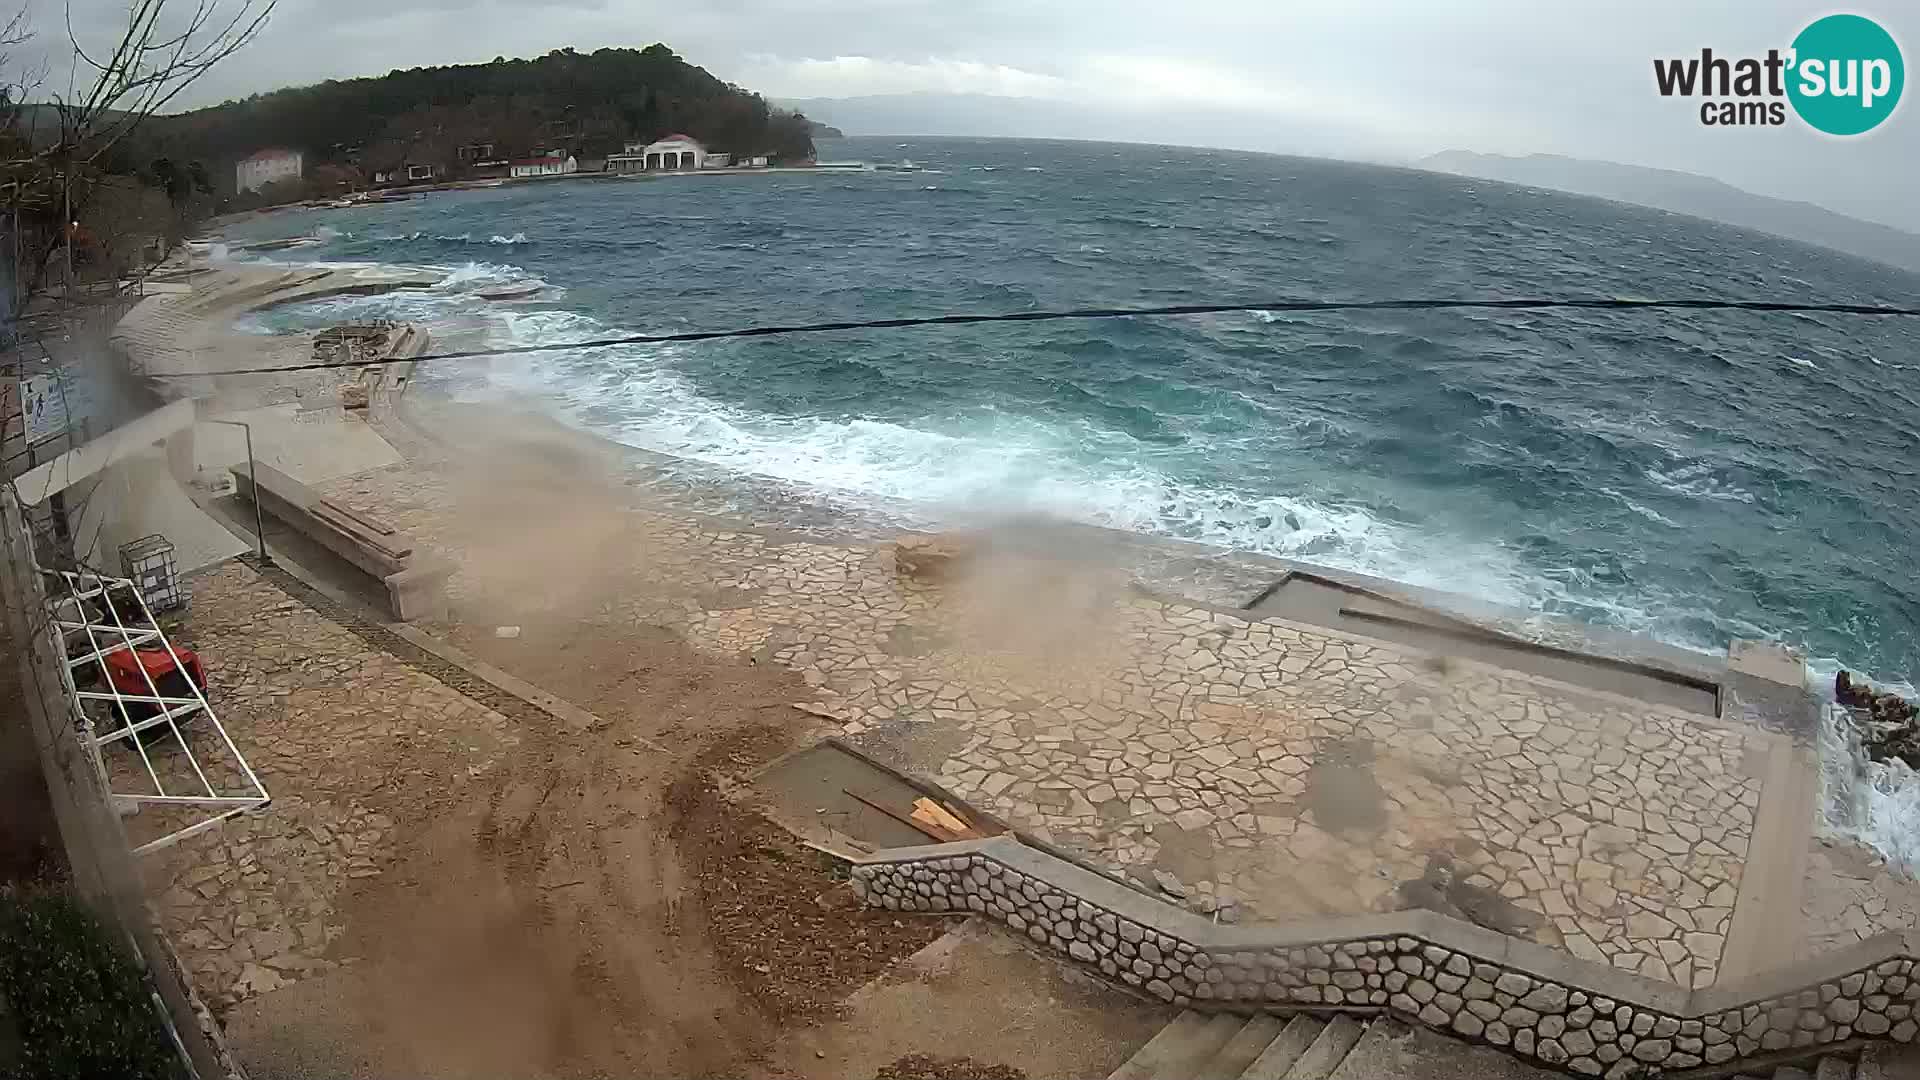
[[1846, 76]]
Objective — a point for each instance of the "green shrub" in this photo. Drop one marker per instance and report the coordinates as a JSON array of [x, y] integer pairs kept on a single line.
[[79, 1004]]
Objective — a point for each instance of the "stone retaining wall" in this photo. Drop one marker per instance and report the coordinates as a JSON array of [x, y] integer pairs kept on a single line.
[[1541, 1003]]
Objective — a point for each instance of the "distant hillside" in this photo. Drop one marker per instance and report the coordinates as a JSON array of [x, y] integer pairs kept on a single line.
[[1686, 193], [586, 103]]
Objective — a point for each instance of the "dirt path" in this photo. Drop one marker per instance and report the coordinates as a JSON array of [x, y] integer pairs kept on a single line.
[[548, 923], [548, 916], [593, 903], [536, 919]]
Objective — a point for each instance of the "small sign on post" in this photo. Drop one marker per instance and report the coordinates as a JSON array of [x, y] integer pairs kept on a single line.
[[44, 407]]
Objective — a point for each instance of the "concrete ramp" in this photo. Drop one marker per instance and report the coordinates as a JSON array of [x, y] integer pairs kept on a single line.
[[138, 496], [310, 445]]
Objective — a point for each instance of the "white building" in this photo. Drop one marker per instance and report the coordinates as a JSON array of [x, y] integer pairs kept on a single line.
[[674, 153], [546, 165], [266, 167]]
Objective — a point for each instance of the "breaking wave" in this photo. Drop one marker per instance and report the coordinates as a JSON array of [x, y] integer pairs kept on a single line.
[[1649, 473]]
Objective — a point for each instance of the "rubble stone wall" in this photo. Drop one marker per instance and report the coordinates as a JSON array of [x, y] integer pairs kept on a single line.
[[1540, 1003]]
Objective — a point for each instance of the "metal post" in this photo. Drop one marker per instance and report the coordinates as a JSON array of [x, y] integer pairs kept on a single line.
[[253, 478]]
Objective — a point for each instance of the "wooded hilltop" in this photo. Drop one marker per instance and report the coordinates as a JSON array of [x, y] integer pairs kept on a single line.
[[585, 104]]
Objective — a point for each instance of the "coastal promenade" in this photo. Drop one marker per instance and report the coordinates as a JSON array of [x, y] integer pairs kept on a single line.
[[1250, 764], [1259, 767]]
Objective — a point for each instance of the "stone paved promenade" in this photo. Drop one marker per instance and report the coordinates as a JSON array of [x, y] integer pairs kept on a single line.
[[1251, 769], [350, 742], [1262, 769]]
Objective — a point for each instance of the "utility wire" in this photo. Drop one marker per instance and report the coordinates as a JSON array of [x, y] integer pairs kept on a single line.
[[1585, 303]]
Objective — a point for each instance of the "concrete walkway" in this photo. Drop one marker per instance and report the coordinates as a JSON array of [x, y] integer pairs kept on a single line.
[[1268, 768], [1251, 765], [296, 421]]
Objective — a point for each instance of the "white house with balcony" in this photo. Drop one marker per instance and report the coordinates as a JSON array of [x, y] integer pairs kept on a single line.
[[266, 167]]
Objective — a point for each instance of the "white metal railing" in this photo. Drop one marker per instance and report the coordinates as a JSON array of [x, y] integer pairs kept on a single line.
[[199, 789]]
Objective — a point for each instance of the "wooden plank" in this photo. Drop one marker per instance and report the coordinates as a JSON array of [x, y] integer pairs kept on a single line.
[[330, 516], [922, 827], [933, 813], [299, 516], [368, 520], [398, 548], [961, 818], [355, 535]]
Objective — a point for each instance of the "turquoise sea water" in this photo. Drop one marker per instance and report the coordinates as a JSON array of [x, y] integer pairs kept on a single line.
[[1695, 476]]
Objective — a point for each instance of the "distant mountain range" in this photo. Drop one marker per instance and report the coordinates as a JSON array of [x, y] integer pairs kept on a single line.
[[1687, 193], [988, 116]]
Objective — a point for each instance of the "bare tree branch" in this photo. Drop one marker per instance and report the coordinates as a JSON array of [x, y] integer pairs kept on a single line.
[[164, 47], [148, 66]]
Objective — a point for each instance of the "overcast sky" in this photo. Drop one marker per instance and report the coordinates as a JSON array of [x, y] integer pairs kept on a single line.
[[1372, 79]]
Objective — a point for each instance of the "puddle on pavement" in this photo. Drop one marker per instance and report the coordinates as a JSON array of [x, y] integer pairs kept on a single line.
[[1341, 789], [1443, 888]]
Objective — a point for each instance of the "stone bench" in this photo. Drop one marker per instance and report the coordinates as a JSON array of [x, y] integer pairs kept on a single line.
[[416, 582]]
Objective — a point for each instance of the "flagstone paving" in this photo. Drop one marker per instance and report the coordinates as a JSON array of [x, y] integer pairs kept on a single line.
[[1259, 769], [1850, 896], [343, 735]]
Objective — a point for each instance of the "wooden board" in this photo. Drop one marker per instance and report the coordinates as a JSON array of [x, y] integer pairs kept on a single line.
[[372, 523], [934, 831], [925, 809], [327, 515]]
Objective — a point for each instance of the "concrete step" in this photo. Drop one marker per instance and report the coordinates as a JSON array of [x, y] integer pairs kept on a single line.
[[1377, 1045], [1195, 1046], [1279, 1056], [1833, 1068], [1391, 1050], [1179, 1048], [1328, 1050], [1240, 1051], [1219, 1030], [1164, 1046], [1882, 1061]]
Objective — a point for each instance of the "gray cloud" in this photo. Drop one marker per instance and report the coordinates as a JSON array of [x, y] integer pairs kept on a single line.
[[1380, 79]]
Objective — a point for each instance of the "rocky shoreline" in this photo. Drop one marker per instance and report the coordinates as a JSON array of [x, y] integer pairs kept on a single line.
[[1890, 724]]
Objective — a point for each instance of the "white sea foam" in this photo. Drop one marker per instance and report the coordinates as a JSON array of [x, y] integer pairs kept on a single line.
[[1648, 512], [952, 468], [481, 275], [948, 467], [1699, 481], [1872, 803]]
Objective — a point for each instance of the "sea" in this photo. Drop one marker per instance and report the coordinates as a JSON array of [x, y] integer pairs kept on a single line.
[[1693, 476]]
